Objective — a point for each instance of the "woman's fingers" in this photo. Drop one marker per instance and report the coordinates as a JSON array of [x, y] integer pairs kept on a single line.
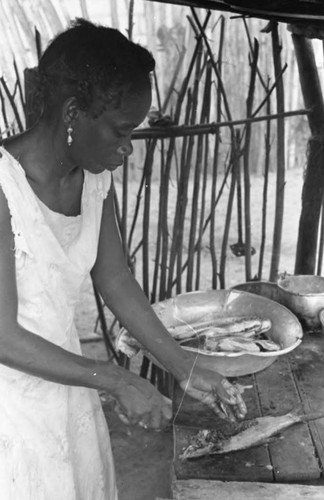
[[228, 392], [167, 408], [211, 402], [241, 408], [233, 397], [120, 413], [225, 400], [149, 413]]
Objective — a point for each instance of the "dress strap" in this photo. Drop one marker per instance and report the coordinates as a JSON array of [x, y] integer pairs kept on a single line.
[[13, 184]]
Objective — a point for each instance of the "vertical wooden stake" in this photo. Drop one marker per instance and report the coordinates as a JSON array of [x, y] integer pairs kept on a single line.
[[280, 186], [313, 188]]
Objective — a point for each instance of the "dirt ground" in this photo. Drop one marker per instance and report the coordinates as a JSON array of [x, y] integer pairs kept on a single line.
[[143, 459]]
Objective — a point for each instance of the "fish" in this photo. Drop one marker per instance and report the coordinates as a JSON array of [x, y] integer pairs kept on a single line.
[[234, 343], [221, 326], [127, 344], [249, 434], [268, 345], [217, 328], [226, 344]]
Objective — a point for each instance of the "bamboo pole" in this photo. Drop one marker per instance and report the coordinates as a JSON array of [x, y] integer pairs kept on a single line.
[[216, 70], [13, 104], [199, 170], [38, 44], [182, 54], [186, 175], [177, 224], [212, 232], [280, 184], [269, 91], [146, 215], [136, 212], [159, 232], [4, 115], [131, 19], [164, 290], [158, 245], [247, 31], [21, 94], [265, 192], [246, 164], [234, 170], [204, 179], [213, 208]]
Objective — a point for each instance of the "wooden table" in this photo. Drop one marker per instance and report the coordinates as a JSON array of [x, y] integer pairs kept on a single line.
[[297, 456]]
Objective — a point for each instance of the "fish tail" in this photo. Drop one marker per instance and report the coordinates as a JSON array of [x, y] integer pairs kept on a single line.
[[311, 416], [299, 413]]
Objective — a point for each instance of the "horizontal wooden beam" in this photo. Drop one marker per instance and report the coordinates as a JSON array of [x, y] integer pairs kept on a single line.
[[210, 128], [303, 11], [218, 490]]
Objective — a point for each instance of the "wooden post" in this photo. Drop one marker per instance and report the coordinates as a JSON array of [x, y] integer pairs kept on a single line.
[[313, 188]]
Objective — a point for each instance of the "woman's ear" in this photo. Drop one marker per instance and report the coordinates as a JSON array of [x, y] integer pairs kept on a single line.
[[70, 111]]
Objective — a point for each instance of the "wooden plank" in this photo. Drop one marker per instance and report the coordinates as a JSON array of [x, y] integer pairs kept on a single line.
[[296, 379], [293, 456], [218, 490], [190, 416], [241, 465], [307, 365]]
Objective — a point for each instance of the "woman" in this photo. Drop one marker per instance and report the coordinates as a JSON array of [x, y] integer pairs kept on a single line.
[[57, 224]]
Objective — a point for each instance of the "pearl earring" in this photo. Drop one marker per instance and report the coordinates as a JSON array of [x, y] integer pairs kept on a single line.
[[69, 135]]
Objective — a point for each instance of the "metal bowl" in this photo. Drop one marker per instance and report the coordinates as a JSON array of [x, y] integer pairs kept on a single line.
[[303, 295], [190, 307]]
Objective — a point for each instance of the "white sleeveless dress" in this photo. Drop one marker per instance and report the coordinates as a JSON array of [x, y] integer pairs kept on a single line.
[[54, 440]]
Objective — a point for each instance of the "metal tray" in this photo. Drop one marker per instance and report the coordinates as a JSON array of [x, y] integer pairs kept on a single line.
[[190, 307]]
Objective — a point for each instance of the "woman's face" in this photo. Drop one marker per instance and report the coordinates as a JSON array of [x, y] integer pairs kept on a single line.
[[101, 143]]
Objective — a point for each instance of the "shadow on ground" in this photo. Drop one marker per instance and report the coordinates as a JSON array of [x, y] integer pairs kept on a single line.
[[143, 459]]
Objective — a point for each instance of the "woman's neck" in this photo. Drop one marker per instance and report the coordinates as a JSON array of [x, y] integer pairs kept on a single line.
[[42, 152]]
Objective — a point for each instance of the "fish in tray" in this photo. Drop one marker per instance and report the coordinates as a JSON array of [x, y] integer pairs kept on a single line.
[[233, 334], [221, 326], [222, 333], [248, 434], [232, 343]]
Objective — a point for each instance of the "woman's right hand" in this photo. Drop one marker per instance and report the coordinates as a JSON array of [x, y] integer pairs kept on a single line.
[[215, 391], [138, 402]]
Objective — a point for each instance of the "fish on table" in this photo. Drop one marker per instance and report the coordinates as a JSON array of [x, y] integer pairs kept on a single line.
[[250, 433]]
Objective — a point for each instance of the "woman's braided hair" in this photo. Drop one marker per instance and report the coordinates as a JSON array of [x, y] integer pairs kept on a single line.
[[92, 63]]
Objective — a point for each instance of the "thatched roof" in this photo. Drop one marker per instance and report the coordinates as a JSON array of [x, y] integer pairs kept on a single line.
[[307, 12]]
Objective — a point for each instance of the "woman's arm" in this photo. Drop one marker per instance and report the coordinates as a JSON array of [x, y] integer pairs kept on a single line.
[[125, 298], [25, 351]]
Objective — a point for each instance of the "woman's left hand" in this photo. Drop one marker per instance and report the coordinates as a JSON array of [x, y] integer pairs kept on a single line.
[[215, 391]]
